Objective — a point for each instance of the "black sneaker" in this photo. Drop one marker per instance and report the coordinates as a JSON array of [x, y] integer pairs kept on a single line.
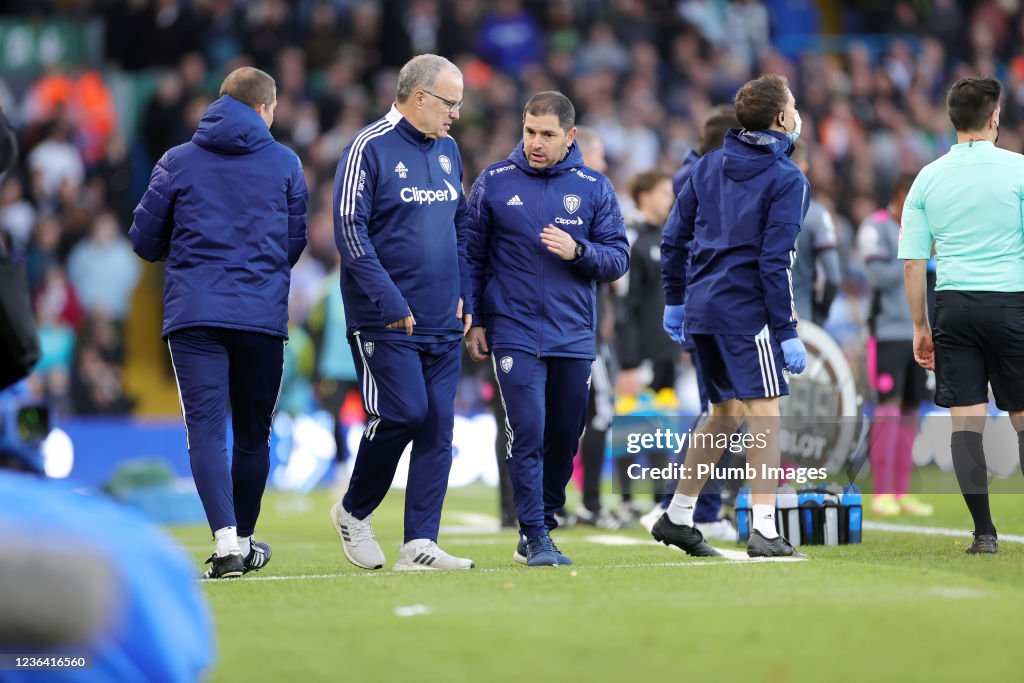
[[688, 538], [759, 546], [227, 567], [258, 556], [983, 544]]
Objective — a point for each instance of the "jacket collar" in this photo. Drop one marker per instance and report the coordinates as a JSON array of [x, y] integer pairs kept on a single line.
[[406, 129]]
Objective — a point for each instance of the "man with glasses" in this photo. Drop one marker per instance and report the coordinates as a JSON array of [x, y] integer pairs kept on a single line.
[[398, 216]]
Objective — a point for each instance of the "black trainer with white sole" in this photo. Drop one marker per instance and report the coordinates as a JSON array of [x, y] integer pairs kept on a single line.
[[258, 556], [226, 567], [759, 546], [687, 538]]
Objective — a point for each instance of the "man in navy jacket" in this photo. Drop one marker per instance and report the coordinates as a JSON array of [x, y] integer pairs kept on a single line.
[[228, 213], [544, 229], [398, 224], [727, 256]]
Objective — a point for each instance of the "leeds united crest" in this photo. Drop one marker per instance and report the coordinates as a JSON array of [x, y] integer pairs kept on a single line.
[[571, 202]]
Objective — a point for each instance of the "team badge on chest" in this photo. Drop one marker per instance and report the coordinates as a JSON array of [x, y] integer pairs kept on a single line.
[[446, 163], [571, 202]]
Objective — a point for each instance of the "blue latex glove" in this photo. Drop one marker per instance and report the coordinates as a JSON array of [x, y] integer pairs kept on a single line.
[[795, 354], [673, 323]]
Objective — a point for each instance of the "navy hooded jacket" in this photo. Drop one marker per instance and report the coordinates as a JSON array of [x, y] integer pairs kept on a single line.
[[528, 298], [728, 247], [399, 216], [228, 212]]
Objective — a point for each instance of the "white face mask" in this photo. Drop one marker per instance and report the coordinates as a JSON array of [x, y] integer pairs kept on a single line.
[[795, 133]]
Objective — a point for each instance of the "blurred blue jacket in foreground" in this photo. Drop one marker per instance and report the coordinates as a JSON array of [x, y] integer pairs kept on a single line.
[[82, 575]]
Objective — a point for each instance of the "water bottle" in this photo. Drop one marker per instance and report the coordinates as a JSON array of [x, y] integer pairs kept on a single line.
[[855, 513], [787, 514], [833, 495], [807, 504], [743, 514]]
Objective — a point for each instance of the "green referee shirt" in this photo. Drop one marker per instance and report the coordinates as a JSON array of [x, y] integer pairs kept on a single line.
[[970, 203]]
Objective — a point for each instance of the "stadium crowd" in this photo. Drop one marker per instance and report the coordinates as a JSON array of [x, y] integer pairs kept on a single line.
[[869, 83]]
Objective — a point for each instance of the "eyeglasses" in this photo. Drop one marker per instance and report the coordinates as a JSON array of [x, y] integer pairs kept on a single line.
[[453, 106]]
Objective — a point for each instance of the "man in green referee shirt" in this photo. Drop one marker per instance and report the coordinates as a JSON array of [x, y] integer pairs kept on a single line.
[[969, 203]]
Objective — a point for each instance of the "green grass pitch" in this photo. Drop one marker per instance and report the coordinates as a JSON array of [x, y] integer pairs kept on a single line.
[[900, 607]]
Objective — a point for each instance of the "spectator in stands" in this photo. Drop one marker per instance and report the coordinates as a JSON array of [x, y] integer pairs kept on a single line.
[[899, 382], [103, 269]]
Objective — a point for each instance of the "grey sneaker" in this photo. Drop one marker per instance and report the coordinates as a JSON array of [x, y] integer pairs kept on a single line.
[[759, 546], [983, 544], [423, 554], [722, 530], [357, 540]]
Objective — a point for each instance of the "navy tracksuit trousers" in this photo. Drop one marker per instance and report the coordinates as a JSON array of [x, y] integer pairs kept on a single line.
[[213, 365], [545, 412], [408, 392]]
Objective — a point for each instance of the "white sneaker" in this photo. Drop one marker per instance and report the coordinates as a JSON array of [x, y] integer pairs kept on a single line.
[[649, 518], [722, 530], [423, 554], [357, 540]]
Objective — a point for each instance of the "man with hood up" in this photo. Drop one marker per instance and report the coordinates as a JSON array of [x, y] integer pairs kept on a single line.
[[727, 258], [543, 230], [227, 211]]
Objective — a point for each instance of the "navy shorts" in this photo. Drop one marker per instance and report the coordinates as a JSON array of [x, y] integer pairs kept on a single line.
[[742, 366]]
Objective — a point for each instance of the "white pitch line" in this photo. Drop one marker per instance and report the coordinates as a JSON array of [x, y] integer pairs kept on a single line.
[[709, 562], [931, 531]]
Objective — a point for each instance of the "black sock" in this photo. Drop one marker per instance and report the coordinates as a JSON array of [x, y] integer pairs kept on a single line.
[[972, 475], [1020, 449]]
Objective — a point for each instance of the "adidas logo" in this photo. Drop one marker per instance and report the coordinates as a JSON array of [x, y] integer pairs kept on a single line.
[[402, 170], [515, 201], [424, 558]]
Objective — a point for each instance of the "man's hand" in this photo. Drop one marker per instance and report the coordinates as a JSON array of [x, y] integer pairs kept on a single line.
[[795, 354], [673, 322], [559, 242], [408, 322], [924, 348], [467, 319], [476, 344]]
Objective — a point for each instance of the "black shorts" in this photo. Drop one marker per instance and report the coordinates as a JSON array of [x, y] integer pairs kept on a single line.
[[979, 339], [897, 374]]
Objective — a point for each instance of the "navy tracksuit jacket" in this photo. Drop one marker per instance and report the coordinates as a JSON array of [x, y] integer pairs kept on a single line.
[[727, 253], [540, 311], [399, 226], [227, 211]]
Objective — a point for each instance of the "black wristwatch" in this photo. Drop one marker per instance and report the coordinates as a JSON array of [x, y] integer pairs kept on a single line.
[[580, 250]]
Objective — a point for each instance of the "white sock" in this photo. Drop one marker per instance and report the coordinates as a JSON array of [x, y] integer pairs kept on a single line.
[[764, 520], [245, 545], [227, 541], [680, 510]]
